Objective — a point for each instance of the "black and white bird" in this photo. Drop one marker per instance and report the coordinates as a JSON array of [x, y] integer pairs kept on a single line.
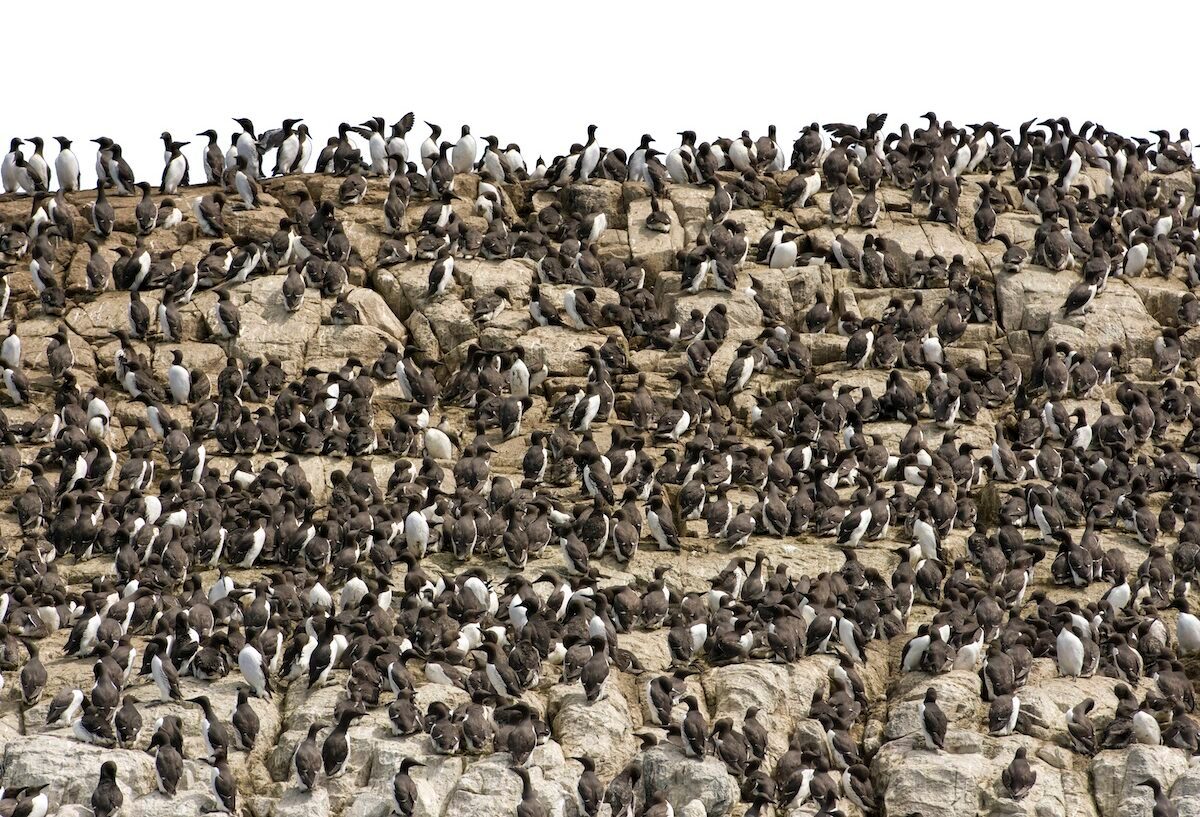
[[933, 721]]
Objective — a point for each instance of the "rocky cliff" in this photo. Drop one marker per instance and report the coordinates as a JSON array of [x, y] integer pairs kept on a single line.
[[764, 478]]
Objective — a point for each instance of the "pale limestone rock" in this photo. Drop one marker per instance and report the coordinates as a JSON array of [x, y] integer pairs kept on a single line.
[[376, 313], [557, 348], [1117, 773], [72, 768], [684, 779], [654, 251]]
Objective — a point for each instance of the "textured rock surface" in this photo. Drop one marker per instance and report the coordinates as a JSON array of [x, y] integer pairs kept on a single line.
[[360, 307]]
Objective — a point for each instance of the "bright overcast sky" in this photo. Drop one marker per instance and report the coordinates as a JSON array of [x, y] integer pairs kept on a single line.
[[538, 73]]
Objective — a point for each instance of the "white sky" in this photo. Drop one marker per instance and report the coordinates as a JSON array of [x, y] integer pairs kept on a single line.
[[538, 73]]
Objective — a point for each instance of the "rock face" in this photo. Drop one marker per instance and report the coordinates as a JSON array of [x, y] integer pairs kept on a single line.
[[398, 487]]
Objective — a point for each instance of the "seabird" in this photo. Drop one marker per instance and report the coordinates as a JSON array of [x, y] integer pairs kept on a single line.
[[307, 759], [107, 798], [933, 721], [404, 789], [1018, 778]]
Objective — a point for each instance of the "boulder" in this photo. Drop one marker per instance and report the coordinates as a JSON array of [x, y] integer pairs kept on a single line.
[[1117, 773], [263, 220], [1161, 297], [1185, 794], [948, 242], [1031, 299], [742, 311], [450, 321], [267, 326], [421, 334], [690, 203], [298, 803], [782, 692], [596, 196], [329, 346], [654, 251], [192, 803], [70, 767], [557, 347], [684, 779], [1116, 316], [394, 285], [375, 312], [95, 320], [603, 730], [803, 283], [435, 781], [481, 277], [958, 697], [941, 783], [488, 788]]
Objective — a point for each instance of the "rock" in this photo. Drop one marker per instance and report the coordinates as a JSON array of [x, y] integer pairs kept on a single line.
[[421, 334], [557, 347], [690, 203], [732, 689], [268, 328], [207, 357], [1117, 773], [804, 283], [450, 321], [755, 223], [916, 780], [554, 294], [94, 320], [958, 697], [1116, 316], [614, 244], [488, 788], [71, 767], [872, 302], [194, 803], [1169, 183], [773, 286], [1032, 298], [298, 803], [376, 313], [1160, 296], [781, 692], [1018, 225], [1048, 697], [331, 345], [948, 242], [403, 287], [264, 220], [743, 313], [364, 228], [684, 779], [436, 780], [963, 779], [482, 277], [389, 287], [1185, 794], [654, 251], [1049, 797], [376, 802], [596, 196], [603, 730]]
